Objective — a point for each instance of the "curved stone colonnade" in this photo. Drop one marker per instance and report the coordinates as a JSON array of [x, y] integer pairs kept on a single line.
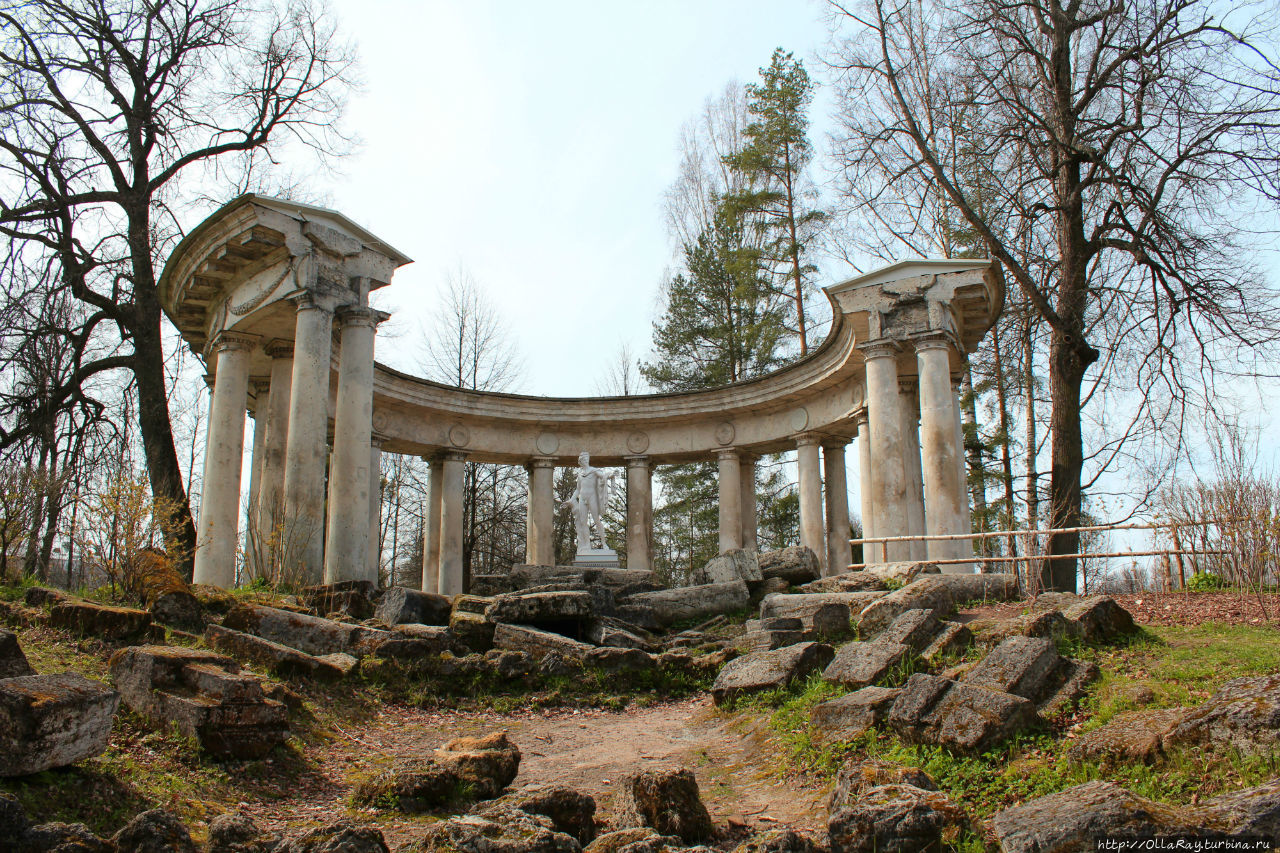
[[263, 287]]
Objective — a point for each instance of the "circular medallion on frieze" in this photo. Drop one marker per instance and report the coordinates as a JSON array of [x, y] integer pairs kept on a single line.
[[458, 435], [379, 421], [724, 433], [799, 419], [637, 442], [547, 443]]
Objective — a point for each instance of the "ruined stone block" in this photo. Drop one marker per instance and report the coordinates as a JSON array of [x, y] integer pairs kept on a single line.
[[52, 721], [523, 638], [279, 659], [936, 710], [761, 671], [399, 605], [98, 620], [914, 628], [13, 663], [1023, 666], [313, 635], [860, 664], [854, 713], [795, 565]]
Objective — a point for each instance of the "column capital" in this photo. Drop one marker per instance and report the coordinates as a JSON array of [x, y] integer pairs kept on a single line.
[[728, 453], [308, 300], [880, 349], [861, 416], [355, 315], [430, 458], [835, 442], [808, 439], [636, 462], [541, 462], [259, 384], [228, 341], [934, 341], [746, 457], [454, 456], [376, 441], [278, 348]]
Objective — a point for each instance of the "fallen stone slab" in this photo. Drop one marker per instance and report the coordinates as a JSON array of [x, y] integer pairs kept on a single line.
[[1099, 619], [52, 721], [620, 660], [896, 819], [510, 665], [567, 609], [782, 841], [1131, 736], [614, 632], [486, 764], [538, 643], [1076, 818], [854, 713], [496, 830], [279, 659], [13, 663], [1072, 679], [1049, 624], [855, 581], [399, 605], [764, 641], [423, 641], [732, 565], [412, 786], [340, 837], [858, 665], [313, 635], [204, 695], [914, 628], [570, 811], [98, 620], [471, 629], [795, 565], [936, 710], [1023, 666], [803, 606], [1243, 714], [937, 593], [903, 571], [857, 776], [666, 800], [950, 642], [355, 598], [669, 606], [761, 671], [38, 596]]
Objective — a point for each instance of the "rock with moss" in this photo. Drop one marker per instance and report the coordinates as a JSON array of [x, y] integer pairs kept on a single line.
[[62, 838], [1073, 819], [154, 831], [858, 776], [631, 838], [90, 619], [667, 800], [935, 710], [796, 565], [781, 841], [340, 837], [412, 786], [853, 714], [950, 642], [1135, 736], [51, 721], [13, 663], [497, 831], [896, 819], [914, 628], [237, 833], [1243, 714], [487, 764], [762, 671], [569, 811], [858, 665]]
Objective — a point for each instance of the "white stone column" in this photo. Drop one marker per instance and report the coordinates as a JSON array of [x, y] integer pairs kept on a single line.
[[540, 545], [270, 507], [431, 524], [750, 519], [259, 388], [306, 449], [963, 548], [944, 492], [346, 553], [839, 551], [639, 513], [375, 518], [887, 476], [872, 552], [218, 533], [451, 574], [911, 467], [730, 500], [809, 473]]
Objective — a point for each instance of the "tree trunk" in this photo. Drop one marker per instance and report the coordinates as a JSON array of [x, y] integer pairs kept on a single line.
[[977, 469]]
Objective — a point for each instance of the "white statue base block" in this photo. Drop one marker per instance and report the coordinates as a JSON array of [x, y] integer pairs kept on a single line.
[[597, 558]]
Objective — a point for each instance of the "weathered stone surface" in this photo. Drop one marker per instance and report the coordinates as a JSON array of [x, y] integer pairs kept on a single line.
[[13, 819], [496, 831], [795, 565], [13, 663], [895, 819], [690, 602], [52, 721], [608, 631], [1023, 666], [620, 660], [154, 831], [550, 609], [667, 800], [471, 629], [903, 571], [781, 841], [237, 833], [1073, 819], [641, 615], [510, 665], [1132, 736], [313, 635], [98, 620], [63, 838], [38, 596], [414, 642], [204, 695], [855, 777], [632, 838], [854, 713], [1048, 624], [1244, 713], [937, 593], [936, 710], [343, 662], [341, 837], [951, 641], [412, 786], [861, 664], [856, 581], [733, 565], [915, 629], [766, 670], [570, 812], [1099, 619], [1252, 812], [803, 606], [487, 764], [281, 660], [399, 605], [355, 598], [828, 623], [537, 643], [764, 641], [1072, 679]]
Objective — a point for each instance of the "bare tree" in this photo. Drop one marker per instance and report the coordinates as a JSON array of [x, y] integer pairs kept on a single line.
[[108, 109], [621, 375], [1129, 141]]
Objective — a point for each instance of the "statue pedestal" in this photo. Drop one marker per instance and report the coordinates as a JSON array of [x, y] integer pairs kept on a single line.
[[596, 558]]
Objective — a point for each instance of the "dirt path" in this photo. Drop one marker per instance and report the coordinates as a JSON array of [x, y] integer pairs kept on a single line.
[[588, 750]]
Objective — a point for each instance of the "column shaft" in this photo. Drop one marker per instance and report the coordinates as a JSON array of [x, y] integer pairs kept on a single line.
[[218, 534], [872, 552], [265, 526], [810, 476], [943, 489], [302, 524], [911, 468], [451, 568], [839, 551], [256, 563], [730, 501], [750, 519], [639, 513], [346, 554], [888, 479], [375, 524], [431, 526], [540, 513]]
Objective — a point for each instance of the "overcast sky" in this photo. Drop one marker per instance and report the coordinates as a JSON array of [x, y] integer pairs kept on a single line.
[[530, 144]]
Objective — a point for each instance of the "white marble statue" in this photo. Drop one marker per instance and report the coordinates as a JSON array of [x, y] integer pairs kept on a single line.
[[589, 499]]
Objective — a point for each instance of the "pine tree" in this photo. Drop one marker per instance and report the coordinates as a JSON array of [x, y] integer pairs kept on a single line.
[[775, 196]]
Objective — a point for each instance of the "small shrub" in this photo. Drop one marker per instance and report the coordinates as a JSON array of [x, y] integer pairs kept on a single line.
[[1205, 582]]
